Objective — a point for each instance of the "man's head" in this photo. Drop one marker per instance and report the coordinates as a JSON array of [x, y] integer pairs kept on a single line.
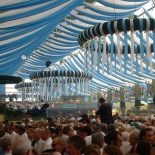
[[20, 129], [98, 139], [102, 100], [113, 138], [21, 146], [45, 134], [37, 134], [58, 144], [146, 134], [75, 145], [30, 133]]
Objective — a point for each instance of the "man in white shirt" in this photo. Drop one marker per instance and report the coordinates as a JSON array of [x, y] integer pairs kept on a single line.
[[38, 146], [10, 132], [46, 136]]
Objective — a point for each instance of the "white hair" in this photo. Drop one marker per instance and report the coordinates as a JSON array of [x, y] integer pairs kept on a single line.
[[125, 135], [21, 146]]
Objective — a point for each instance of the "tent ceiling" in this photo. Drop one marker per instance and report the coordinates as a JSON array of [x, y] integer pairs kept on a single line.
[[33, 32]]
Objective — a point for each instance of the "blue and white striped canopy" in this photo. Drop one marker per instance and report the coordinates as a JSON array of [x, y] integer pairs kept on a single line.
[[35, 31]]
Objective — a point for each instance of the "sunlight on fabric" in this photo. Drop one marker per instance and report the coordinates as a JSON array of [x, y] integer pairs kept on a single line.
[[34, 18], [7, 41], [22, 11]]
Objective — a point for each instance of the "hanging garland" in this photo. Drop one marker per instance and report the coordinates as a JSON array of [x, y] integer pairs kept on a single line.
[[119, 25], [137, 48], [57, 73], [23, 85], [113, 44], [49, 85], [6, 79]]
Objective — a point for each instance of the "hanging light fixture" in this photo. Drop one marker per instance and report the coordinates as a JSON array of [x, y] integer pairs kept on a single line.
[[127, 44], [49, 85], [25, 90]]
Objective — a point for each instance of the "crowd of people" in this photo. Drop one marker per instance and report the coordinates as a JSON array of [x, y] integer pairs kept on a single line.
[[24, 105], [102, 134]]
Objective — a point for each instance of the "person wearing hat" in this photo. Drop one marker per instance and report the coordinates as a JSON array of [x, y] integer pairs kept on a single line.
[[105, 112]]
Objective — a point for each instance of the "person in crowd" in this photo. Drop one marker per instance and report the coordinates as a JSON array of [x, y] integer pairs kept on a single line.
[[125, 147], [85, 119], [113, 138], [59, 145], [105, 112], [55, 153], [51, 153], [143, 148], [53, 131], [111, 127], [103, 128], [133, 139], [21, 131], [10, 131], [30, 134], [39, 143], [59, 131], [2, 132], [67, 132], [46, 136], [98, 139], [21, 146], [75, 145], [112, 150], [92, 150], [86, 132], [5, 145], [146, 134]]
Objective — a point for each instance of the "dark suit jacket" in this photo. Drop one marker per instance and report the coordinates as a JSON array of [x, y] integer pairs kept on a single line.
[[105, 113]]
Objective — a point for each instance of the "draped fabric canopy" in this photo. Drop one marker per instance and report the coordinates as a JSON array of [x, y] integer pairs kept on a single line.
[[34, 32]]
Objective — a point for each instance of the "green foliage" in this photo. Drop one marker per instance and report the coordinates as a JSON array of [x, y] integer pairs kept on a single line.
[[122, 93], [109, 95], [153, 86], [137, 91]]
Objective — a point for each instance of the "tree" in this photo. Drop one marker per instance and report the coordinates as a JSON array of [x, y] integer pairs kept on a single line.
[[137, 93], [153, 90], [109, 96], [122, 100]]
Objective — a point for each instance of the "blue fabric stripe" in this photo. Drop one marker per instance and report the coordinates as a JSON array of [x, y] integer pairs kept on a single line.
[[126, 45], [117, 6]]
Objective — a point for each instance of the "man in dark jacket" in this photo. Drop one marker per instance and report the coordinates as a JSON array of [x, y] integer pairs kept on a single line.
[[105, 112]]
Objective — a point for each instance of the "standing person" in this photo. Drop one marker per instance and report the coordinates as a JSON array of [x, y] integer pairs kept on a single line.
[[75, 145], [105, 112]]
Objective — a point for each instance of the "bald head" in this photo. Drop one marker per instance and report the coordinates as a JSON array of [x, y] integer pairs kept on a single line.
[[21, 146]]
